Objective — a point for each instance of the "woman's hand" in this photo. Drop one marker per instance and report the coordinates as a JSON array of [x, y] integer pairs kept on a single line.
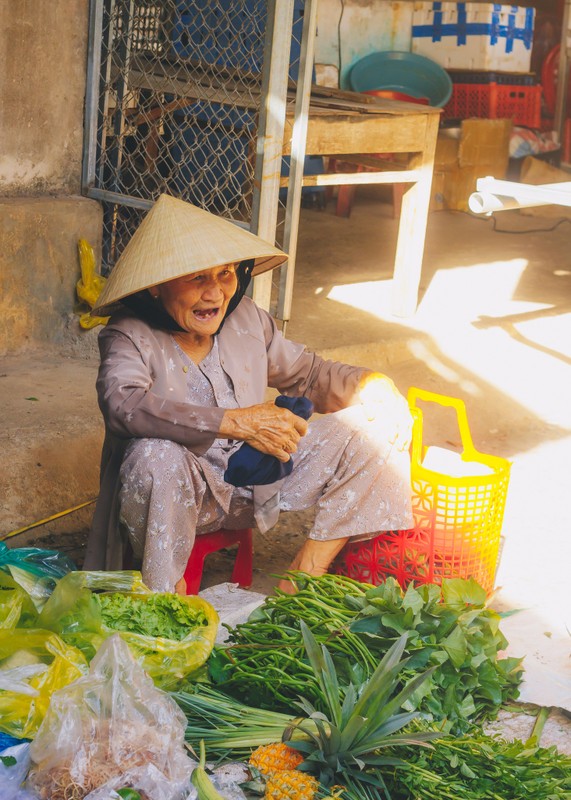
[[381, 399], [266, 427]]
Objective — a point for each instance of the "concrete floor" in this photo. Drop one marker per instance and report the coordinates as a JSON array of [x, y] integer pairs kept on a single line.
[[493, 327]]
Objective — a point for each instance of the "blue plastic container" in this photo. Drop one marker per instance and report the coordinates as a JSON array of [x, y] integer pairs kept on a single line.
[[402, 72]]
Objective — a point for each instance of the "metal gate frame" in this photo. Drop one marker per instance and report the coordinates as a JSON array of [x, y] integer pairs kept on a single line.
[[270, 135]]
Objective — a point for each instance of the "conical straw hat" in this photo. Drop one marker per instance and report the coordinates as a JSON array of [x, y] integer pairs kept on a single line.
[[174, 239]]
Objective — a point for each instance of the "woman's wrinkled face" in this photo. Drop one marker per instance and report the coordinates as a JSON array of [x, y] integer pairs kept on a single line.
[[198, 302]]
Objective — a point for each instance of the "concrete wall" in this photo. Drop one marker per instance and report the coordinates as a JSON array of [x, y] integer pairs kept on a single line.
[[39, 267], [42, 90], [44, 47]]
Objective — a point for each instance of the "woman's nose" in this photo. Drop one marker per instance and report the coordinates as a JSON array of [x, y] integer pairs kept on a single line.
[[213, 290]]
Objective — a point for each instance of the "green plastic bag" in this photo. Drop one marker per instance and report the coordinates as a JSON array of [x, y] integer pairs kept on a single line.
[[35, 569], [16, 606], [33, 665], [80, 607], [48, 563]]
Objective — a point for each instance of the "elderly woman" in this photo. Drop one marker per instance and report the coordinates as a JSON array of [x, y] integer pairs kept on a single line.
[[186, 361]]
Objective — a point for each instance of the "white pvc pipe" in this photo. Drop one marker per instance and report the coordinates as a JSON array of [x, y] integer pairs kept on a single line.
[[495, 195]]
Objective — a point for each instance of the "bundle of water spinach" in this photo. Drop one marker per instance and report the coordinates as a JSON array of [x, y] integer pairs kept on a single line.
[[448, 627]]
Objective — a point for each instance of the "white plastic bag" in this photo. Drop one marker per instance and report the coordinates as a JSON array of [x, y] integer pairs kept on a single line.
[[12, 775]]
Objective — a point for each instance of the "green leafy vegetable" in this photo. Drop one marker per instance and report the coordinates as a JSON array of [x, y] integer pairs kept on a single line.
[[482, 767], [129, 794], [164, 615], [8, 761], [265, 664], [447, 627]]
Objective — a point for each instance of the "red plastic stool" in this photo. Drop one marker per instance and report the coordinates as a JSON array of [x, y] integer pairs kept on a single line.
[[212, 542]]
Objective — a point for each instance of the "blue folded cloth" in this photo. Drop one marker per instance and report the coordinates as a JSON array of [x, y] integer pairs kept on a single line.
[[248, 467]]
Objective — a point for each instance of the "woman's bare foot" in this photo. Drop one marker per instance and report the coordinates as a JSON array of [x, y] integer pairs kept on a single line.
[[180, 587], [314, 557]]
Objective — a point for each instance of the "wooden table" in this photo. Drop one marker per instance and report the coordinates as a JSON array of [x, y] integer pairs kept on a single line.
[[337, 123], [381, 127]]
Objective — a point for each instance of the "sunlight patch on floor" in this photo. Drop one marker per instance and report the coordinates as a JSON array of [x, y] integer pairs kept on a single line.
[[518, 347]]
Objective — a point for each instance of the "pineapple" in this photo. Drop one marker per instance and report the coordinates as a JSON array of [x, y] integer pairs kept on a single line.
[[270, 758], [361, 721], [289, 784]]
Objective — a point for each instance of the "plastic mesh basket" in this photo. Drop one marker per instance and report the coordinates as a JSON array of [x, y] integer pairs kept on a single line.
[[458, 512]]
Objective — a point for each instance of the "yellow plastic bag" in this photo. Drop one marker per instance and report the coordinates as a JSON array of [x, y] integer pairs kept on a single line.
[[16, 606], [33, 665], [74, 611], [90, 285]]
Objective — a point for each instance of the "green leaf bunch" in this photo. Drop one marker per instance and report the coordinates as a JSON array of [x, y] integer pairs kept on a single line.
[[163, 615], [448, 627], [482, 767]]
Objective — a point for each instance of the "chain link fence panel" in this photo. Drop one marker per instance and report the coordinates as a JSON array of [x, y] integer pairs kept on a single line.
[[179, 94]]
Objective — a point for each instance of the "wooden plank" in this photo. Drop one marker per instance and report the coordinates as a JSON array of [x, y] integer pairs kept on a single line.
[[356, 104], [271, 131], [338, 134], [355, 178], [371, 162], [341, 94], [364, 104]]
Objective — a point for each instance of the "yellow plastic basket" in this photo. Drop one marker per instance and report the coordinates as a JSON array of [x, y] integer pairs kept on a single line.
[[458, 512], [458, 502]]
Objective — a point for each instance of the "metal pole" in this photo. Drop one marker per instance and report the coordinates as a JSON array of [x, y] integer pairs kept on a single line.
[[92, 93], [297, 158], [271, 134]]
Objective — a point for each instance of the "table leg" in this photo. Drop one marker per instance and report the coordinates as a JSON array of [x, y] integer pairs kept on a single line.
[[412, 227]]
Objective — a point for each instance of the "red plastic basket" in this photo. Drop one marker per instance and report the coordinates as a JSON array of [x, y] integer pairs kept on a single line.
[[496, 101]]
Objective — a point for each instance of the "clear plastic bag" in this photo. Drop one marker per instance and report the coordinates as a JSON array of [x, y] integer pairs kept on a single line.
[[74, 612], [148, 781], [111, 724], [34, 664]]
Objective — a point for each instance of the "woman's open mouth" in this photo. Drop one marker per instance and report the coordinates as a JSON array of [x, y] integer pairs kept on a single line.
[[205, 314]]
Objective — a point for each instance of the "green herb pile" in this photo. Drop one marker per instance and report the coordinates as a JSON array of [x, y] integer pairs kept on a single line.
[[481, 767], [165, 615], [448, 627]]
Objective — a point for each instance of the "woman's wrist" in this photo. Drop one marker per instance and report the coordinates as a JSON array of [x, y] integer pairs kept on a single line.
[[229, 427]]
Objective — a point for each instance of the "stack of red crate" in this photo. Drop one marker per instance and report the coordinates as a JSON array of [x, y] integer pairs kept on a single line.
[[492, 95]]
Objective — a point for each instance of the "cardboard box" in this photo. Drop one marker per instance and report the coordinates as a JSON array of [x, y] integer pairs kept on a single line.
[[481, 149], [476, 36]]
